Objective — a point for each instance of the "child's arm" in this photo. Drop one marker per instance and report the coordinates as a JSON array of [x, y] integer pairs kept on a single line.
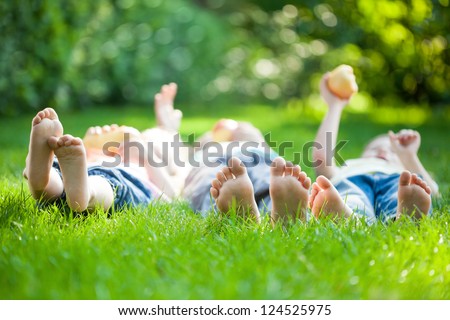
[[324, 164], [406, 143]]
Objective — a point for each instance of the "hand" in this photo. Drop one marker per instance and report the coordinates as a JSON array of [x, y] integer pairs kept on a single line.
[[405, 142], [331, 100]]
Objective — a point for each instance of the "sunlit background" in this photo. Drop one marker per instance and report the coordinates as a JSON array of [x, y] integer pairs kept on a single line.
[[78, 54]]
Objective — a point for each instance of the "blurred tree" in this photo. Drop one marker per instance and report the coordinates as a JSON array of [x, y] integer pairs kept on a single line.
[[131, 48], [399, 49], [37, 38], [79, 53]]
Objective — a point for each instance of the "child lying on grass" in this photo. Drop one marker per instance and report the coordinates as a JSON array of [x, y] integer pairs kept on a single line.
[[59, 166], [86, 174], [252, 180], [386, 182]]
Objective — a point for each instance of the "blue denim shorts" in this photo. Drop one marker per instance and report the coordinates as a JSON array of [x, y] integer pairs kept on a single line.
[[129, 190], [373, 196]]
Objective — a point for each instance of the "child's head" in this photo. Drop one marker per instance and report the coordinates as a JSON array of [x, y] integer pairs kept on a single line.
[[380, 147]]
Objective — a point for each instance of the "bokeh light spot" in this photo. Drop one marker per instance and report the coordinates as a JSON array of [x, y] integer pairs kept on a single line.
[[271, 91], [163, 36]]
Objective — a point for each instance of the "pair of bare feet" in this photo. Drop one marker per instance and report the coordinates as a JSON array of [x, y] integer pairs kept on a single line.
[[289, 187], [289, 191], [46, 141]]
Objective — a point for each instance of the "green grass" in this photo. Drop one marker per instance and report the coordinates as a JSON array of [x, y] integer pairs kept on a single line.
[[166, 251]]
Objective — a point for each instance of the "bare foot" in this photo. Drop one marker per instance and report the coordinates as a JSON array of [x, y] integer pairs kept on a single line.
[[414, 196], [40, 156], [326, 201], [167, 117], [71, 156], [289, 191], [233, 187]]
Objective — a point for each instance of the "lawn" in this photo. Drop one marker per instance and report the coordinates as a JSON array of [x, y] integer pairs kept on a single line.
[[166, 251]]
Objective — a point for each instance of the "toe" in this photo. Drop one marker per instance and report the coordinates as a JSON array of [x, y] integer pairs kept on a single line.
[[301, 177], [314, 191], [323, 182], [51, 113], [307, 183], [221, 177], [216, 184], [278, 167], [288, 169], [214, 192], [53, 142], [158, 98], [40, 115], [165, 89], [236, 166], [172, 89], [77, 141], [405, 178], [423, 185], [227, 173], [415, 179], [65, 140], [62, 140], [296, 171], [36, 120]]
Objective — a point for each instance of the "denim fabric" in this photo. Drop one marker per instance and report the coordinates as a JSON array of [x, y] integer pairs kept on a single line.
[[371, 195], [257, 162], [129, 190]]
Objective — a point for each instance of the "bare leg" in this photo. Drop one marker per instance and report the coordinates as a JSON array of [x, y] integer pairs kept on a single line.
[[167, 117], [44, 183], [136, 153], [233, 187], [289, 191], [164, 142], [414, 196], [326, 201], [82, 192]]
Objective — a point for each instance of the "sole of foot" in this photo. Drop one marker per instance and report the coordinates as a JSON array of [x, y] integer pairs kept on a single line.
[[325, 200], [414, 196], [233, 188], [40, 156], [289, 192], [71, 156]]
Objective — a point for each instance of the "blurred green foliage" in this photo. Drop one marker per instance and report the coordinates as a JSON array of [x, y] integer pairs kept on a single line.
[[73, 54], [37, 39], [399, 49]]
